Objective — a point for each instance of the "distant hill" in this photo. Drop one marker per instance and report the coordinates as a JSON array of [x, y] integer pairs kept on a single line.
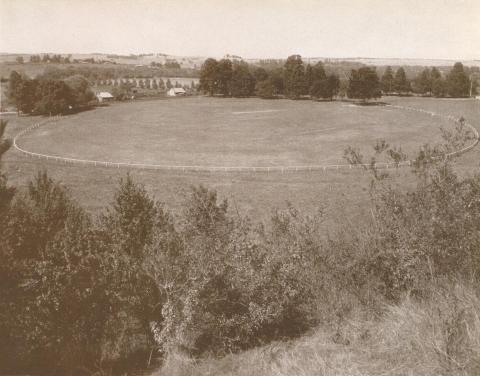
[[197, 61]]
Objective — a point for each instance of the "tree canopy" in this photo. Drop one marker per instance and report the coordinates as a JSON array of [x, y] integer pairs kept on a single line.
[[364, 84]]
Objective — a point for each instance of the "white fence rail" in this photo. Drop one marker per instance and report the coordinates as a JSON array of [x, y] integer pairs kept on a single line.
[[213, 169]]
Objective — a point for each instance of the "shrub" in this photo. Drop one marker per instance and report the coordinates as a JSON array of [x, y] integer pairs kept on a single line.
[[229, 285]]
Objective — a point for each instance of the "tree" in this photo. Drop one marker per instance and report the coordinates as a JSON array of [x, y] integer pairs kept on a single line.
[[438, 84], [309, 80], [224, 76], [35, 59], [161, 84], [80, 88], [276, 78], [19, 60], [208, 76], [400, 82], [260, 74], [457, 82], [294, 77], [154, 84], [168, 84], [423, 82], [318, 72], [54, 97], [326, 88], [22, 92], [387, 80], [242, 81], [265, 89], [364, 84], [14, 83], [123, 91]]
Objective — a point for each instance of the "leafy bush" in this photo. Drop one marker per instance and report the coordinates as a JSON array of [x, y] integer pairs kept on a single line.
[[72, 290], [229, 285]]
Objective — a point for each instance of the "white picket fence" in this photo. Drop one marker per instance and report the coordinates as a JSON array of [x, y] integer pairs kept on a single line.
[[263, 169]]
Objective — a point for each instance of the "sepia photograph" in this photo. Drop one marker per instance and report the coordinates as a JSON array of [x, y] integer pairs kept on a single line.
[[239, 188]]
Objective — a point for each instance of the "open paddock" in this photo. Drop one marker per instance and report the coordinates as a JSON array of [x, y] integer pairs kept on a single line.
[[232, 132]]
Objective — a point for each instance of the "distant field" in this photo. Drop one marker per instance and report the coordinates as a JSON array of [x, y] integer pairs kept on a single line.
[[197, 131]]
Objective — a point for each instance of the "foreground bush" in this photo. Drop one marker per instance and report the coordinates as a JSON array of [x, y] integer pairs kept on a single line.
[[228, 284], [72, 298]]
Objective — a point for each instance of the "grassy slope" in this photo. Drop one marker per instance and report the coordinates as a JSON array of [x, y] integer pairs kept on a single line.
[[438, 337]]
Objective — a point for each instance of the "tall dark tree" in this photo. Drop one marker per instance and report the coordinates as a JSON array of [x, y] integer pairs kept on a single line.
[[22, 92], [80, 88], [318, 72], [277, 80], [208, 76], [14, 84], [458, 83], [265, 89], [55, 97], [260, 74], [326, 88], [242, 81], [364, 84], [438, 83], [423, 82], [400, 82], [161, 84], [309, 80], [224, 76], [294, 77], [387, 80]]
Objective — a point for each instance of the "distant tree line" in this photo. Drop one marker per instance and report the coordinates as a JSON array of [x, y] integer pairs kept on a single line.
[[104, 72], [430, 82], [293, 80], [47, 58], [171, 64], [48, 96]]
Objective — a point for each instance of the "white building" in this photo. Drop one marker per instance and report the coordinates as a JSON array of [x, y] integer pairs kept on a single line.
[[104, 96], [176, 92]]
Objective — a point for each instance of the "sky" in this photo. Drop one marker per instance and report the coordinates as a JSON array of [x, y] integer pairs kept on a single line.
[[436, 29]]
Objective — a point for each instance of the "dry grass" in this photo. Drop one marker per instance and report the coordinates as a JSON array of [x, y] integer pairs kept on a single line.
[[440, 336]]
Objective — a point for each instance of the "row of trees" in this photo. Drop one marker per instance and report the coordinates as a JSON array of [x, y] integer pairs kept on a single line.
[[294, 80], [155, 84], [456, 83], [48, 96], [46, 58], [90, 293]]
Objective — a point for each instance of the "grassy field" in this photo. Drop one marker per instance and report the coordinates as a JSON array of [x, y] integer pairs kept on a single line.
[[229, 132], [234, 132]]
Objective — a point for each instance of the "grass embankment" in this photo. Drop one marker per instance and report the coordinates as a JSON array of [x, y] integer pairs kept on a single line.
[[438, 336]]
